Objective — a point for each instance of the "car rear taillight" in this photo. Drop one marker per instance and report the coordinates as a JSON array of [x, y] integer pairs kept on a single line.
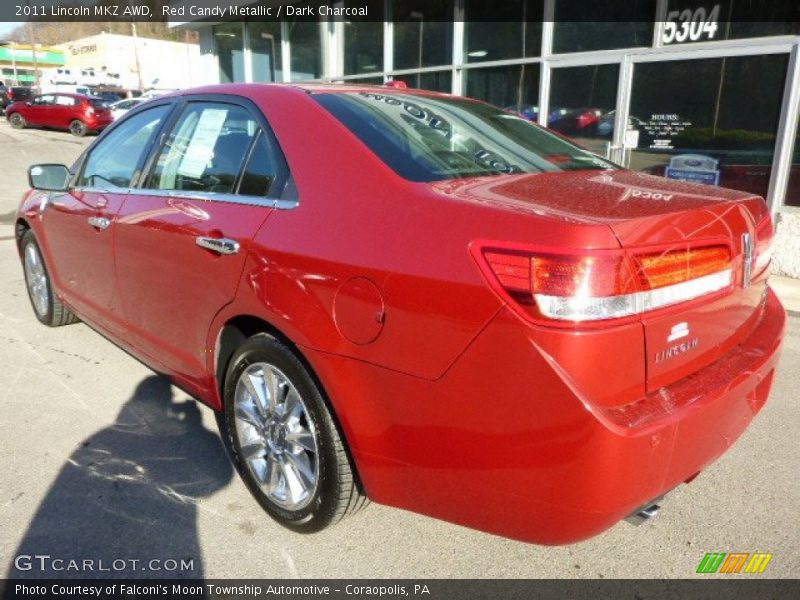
[[664, 269], [602, 284], [765, 234]]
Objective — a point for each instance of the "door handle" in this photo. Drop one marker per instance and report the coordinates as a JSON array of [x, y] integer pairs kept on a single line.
[[99, 222], [218, 245]]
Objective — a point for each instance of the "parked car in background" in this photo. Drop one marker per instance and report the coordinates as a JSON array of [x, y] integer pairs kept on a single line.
[[121, 107], [75, 113], [416, 298], [605, 127], [156, 92], [579, 121], [20, 93], [4, 99], [530, 112], [526, 111], [108, 97], [9, 95]]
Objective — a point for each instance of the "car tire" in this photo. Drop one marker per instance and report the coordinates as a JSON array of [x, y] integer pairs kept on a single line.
[[278, 456], [78, 128], [17, 121], [46, 305]]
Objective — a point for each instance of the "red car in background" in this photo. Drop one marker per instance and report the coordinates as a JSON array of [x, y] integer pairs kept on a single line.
[[578, 121], [75, 113], [400, 295]]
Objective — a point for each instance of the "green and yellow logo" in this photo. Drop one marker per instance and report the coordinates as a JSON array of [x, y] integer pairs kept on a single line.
[[734, 562]]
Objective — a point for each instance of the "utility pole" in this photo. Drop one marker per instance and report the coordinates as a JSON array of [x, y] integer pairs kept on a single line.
[[32, 41], [136, 56], [136, 52], [14, 61]]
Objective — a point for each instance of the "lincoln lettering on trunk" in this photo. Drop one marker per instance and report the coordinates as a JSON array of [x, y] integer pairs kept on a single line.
[[677, 349]]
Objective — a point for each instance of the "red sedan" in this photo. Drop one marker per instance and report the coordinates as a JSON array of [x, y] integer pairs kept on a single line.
[[415, 298], [75, 113]]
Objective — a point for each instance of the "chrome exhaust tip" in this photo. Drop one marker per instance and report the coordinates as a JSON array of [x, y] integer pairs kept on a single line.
[[645, 513]]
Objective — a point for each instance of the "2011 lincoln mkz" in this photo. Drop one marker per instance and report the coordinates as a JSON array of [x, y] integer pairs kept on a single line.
[[415, 298]]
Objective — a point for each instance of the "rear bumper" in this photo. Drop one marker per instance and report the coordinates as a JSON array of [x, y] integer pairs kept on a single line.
[[502, 443], [96, 124]]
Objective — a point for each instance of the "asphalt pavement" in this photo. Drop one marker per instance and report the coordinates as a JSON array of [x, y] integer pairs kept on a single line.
[[101, 459]]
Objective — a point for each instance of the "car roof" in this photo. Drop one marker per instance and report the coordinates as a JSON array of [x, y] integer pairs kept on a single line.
[[244, 89], [328, 88]]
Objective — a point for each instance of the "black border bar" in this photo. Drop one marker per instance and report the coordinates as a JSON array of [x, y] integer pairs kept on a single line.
[[734, 586], [774, 11]]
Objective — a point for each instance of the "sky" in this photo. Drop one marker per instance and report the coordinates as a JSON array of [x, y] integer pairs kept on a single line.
[[5, 27]]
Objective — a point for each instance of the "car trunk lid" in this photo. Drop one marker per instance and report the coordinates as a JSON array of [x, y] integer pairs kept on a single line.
[[656, 216]]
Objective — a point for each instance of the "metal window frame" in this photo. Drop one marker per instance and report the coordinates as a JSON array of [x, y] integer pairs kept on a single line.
[[247, 54], [786, 138], [286, 53], [457, 76]]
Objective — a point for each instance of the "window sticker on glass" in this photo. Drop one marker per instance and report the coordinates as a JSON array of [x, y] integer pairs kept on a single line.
[[201, 147]]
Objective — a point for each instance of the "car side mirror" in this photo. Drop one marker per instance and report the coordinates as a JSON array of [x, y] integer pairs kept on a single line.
[[49, 178]]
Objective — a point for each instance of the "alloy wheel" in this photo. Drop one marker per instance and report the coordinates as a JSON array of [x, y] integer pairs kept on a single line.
[[36, 279], [77, 128], [277, 439]]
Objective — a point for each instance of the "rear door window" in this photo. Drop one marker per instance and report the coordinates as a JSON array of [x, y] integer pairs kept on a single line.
[[66, 101], [206, 150], [261, 170]]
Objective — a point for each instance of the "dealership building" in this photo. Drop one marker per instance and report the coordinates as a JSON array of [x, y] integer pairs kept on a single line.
[[134, 63], [699, 90]]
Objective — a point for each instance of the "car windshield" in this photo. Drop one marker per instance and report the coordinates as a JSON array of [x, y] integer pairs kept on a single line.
[[431, 138]]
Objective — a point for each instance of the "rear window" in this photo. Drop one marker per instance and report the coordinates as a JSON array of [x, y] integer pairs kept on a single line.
[[98, 103], [426, 138]]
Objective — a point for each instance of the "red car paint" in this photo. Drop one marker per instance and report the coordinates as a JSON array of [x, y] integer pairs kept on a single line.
[[454, 401], [59, 115]]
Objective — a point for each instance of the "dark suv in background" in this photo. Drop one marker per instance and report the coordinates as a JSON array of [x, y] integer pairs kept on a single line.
[[9, 95]]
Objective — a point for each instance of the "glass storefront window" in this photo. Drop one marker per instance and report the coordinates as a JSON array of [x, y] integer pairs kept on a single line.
[[513, 29], [229, 40], [700, 120], [365, 81], [436, 81], [582, 104], [265, 50], [423, 33], [363, 44], [711, 20], [619, 24], [514, 88], [305, 38]]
